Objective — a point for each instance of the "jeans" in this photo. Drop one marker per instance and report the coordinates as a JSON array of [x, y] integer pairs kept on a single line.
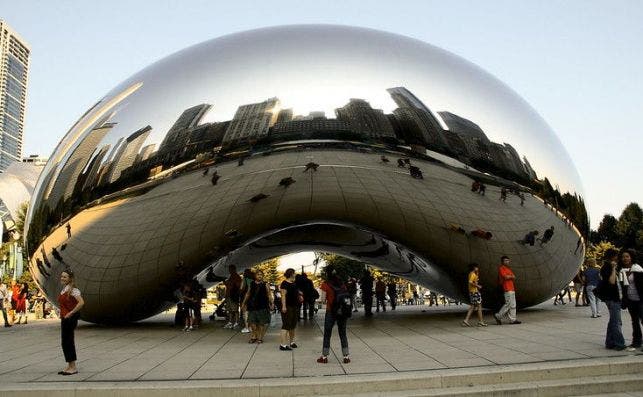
[[636, 314], [614, 337], [381, 300], [308, 309], [593, 300], [329, 321], [67, 327], [393, 299], [4, 315], [508, 310]]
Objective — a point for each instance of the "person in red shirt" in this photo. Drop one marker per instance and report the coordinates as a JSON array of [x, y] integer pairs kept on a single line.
[[332, 284], [506, 278], [70, 302]]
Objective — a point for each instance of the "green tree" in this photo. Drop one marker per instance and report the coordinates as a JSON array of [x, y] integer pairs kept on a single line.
[[606, 229], [269, 269], [596, 251], [629, 227], [345, 267]]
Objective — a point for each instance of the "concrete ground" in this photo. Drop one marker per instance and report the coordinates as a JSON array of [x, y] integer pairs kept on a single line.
[[412, 338]]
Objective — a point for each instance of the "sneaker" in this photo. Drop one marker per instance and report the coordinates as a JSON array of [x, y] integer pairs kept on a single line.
[[190, 328], [598, 315], [497, 317], [284, 348], [465, 323], [185, 328], [228, 325], [322, 360], [235, 325], [516, 322], [482, 324], [630, 349], [245, 330], [347, 360], [293, 345]]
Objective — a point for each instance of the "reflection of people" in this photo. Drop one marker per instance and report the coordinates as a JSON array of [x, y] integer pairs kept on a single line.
[[530, 238], [481, 233], [578, 244], [549, 233], [482, 188], [506, 278], [70, 302], [475, 299], [215, 178], [503, 194], [68, 230], [311, 166]]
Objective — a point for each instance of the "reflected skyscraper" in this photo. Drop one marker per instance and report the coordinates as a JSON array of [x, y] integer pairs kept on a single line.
[[14, 72], [252, 121], [365, 120], [417, 119]]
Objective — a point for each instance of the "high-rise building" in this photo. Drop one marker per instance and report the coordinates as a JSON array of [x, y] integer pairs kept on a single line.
[[365, 120], [463, 127], [127, 153], [178, 134], [252, 121], [14, 67], [416, 118]]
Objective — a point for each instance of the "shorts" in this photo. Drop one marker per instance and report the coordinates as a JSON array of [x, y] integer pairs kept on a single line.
[[260, 317], [290, 318], [475, 298], [231, 306]]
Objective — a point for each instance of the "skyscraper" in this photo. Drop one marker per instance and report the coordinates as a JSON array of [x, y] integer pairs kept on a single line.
[[363, 119], [252, 121], [14, 67]]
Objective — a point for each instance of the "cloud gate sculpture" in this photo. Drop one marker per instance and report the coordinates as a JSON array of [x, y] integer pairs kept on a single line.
[[366, 144]]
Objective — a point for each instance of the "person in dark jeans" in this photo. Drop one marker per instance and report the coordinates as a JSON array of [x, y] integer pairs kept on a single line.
[[333, 284], [611, 293], [366, 285], [380, 295], [70, 302], [632, 278], [391, 290], [306, 286]]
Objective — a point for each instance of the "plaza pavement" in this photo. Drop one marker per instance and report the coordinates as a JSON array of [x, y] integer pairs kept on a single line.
[[403, 342]]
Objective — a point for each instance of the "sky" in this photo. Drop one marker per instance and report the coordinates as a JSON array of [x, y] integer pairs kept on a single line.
[[577, 63]]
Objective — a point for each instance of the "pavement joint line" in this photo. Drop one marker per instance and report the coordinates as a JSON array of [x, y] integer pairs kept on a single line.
[[212, 355], [412, 347], [184, 347], [254, 351], [374, 351]]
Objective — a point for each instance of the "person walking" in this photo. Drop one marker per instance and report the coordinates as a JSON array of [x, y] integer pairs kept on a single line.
[[351, 286], [232, 297], [578, 286], [611, 292], [592, 278], [5, 302], [506, 278], [289, 310], [475, 298], [258, 302], [380, 295], [21, 304], [307, 288], [632, 278], [391, 291], [70, 302], [248, 278], [366, 286], [332, 287]]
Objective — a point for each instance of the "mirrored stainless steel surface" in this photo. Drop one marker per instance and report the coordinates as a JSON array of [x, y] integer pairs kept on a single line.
[[367, 144]]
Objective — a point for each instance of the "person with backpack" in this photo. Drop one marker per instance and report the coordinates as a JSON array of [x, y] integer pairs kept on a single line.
[[338, 310]]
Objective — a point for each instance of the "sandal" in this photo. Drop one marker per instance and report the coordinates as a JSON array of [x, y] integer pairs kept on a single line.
[[465, 323], [482, 324]]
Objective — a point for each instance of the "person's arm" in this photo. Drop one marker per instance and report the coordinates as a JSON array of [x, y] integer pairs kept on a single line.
[[79, 305], [271, 297], [246, 296], [612, 277], [283, 299]]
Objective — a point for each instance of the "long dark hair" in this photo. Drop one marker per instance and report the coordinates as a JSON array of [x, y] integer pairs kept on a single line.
[[72, 280]]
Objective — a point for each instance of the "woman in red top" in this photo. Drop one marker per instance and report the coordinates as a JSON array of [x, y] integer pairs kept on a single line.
[[21, 303], [70, 302]]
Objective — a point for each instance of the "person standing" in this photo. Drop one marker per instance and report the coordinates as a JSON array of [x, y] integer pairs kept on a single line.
[[351, 286], [5, 302], [70, 302], [15, 293], [332, 286], [391, 290], [366, 286], [475, 298], [612, 293], [632, 278], [232, 297], [578, 286], [258, 302], [506, 278], [380, 295], [592, 278], [289, 310]]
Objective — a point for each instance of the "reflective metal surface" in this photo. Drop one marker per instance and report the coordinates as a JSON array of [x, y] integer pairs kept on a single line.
[[328, 138]]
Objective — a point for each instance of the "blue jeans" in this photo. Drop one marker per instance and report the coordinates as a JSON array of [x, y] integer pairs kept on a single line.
[[593, 300], [636, 314], [329, 322], [614, 337]]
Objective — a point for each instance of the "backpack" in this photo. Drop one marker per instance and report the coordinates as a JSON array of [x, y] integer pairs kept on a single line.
[[342, 304]]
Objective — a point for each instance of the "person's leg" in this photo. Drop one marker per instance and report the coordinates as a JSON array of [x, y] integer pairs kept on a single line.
[[4, 316], [504, 310], [291, 336], [480, 318], [512, 306], [592, 300], [466, 318], [329, 321], [67, 327], [614, 337], [341, 329], [633, 309]]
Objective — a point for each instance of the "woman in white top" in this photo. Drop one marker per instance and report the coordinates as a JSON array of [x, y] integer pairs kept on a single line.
[[632, 279]]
